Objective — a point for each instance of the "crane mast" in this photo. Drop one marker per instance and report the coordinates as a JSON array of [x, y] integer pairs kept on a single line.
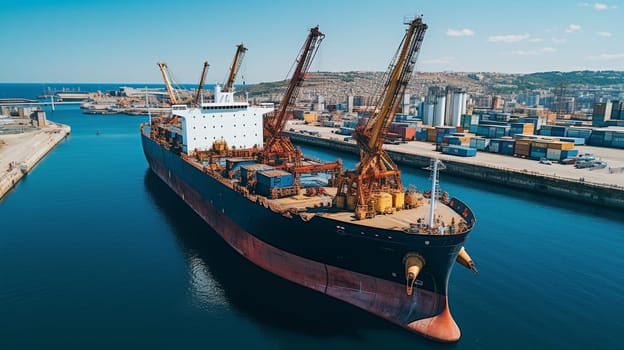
[[200, 86], [173, 95], [238, 60], [278, 148], [376, 172]]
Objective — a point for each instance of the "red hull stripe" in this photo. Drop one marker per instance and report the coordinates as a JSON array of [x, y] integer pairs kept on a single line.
[[378, 296]]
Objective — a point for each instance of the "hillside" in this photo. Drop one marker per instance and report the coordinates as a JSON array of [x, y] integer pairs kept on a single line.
[[367, 83]]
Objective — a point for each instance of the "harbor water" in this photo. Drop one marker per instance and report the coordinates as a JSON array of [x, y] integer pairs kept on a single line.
[[97, 252]]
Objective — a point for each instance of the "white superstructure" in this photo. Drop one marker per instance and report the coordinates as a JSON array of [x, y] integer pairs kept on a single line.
[[235, 122]]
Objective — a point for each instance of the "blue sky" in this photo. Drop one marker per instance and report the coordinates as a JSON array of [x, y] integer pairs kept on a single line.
[[121, 40]]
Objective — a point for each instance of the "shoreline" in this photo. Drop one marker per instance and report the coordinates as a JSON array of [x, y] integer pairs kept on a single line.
[[22, 152], [591, 192]]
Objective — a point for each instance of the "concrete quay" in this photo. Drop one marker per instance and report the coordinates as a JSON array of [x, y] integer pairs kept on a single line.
[[19, 153], [604, 187]]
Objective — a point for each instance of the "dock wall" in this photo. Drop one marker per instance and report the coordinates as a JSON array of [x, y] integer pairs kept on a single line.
[[41, 147], [593, 193]]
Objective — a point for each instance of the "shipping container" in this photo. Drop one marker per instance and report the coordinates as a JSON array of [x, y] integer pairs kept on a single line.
[[553, 154], [560, 145], [539, 144], [522, 149], [452, 140], [558, 131], [274, 178], [234, 163], [467, 120], [571, 153], [421, 135], [578, 141], [494, 146], [578, 132], [407, 133], [461, 151], [480, 144], [432, 134], [345, 131], [445, 129], [507, 147], [248, 172], [538, 153]]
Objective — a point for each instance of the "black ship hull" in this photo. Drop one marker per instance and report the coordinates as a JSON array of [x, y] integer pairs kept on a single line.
[[358, 264]]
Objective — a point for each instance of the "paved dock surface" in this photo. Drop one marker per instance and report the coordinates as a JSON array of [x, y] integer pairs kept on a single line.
[[19, 153], [611, 176]]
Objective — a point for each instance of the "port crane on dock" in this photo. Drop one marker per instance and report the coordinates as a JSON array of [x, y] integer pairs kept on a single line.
[[376, 172]]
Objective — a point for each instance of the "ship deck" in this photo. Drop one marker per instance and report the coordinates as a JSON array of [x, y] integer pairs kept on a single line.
[[401, 220]]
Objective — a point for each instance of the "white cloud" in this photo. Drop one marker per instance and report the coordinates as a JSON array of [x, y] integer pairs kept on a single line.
[[439, 60], [605, 34], [460, 32], [535, 40], [511, 38], [573, 28], [599, 7], [538, 52], [558, 40], [607, 57]]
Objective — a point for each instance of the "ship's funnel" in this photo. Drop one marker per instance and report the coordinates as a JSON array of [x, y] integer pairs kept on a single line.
[[414, 263], [465, 259]]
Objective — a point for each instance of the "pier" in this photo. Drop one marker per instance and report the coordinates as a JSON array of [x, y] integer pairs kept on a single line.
[[601, 187], [20, 152]]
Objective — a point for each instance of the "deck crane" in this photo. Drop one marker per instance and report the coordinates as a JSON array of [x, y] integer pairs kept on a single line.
[[200, 86], [238, 59], [376, 172], [278, 149], [174, 97]]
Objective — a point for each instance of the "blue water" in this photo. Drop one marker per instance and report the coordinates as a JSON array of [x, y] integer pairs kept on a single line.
[[95, 252]]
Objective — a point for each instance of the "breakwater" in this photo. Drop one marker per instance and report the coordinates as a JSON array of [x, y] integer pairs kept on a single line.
[[536, 182], [29, 149]]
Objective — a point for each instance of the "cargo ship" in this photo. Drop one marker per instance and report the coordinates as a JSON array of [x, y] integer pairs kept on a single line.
[[355, 235]]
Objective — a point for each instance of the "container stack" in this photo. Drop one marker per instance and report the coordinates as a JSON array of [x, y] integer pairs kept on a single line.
[[273, 183], [248, 172]]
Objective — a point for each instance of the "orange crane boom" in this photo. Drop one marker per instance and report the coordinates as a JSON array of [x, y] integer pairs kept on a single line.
[[376, 172], [238, 60], [279, 148]]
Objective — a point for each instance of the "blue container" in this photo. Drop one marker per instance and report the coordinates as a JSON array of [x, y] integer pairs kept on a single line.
[[445, 129], [584, 133], [421, 135], [570, 153], [234, 163], [537, 153], [461, 151], [558, 131], [494, 146], [507, 147], [275, 178], [473, 128], [453, 140], [248, 172], [578, 141], [479, 143], [439, 138]]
